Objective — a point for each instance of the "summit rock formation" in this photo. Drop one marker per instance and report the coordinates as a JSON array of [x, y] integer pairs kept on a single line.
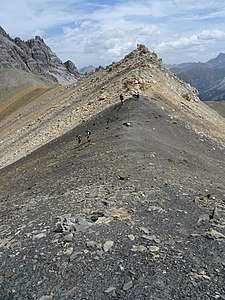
[[36, 57]]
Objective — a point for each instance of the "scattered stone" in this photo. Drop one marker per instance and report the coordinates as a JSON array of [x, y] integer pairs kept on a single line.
[[81, 225], [68, 227], [110, 290], [156, 208], [8, 274], [39, 236], [151, 238], [128, 285], [5, 243], [99, 253], [139, 248], [203, 218], [113, 213], [68, 238], [128, 124], [104, 220], [45, 298], [74, 256], [108, 245], [103, 96], [153, 248], [195, 235], [119, 293], [213, 234], [55, 241], [123, 176], [70, 224], [206, 277], [131, 237], [68, 251], [152, 155], [119, 213], [96, 215], [91, 244], [215, 213], [122, 268], [58, 228], [144, 229]]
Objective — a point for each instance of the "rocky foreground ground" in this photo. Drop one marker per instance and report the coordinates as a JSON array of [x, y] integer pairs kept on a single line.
[[137, 212]]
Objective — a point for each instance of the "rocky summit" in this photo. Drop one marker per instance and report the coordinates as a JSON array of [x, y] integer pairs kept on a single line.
[[113, 188], [36, 57]]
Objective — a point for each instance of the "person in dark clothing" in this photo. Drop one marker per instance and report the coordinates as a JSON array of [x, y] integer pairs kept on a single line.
[[78, 138], [121, 99]]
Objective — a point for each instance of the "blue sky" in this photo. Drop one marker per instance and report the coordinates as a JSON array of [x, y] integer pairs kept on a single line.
[[100, 32]]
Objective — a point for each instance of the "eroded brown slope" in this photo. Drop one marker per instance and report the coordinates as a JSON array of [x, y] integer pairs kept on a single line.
[[21, 99]]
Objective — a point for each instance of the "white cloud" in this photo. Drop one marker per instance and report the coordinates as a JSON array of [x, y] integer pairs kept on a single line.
[[193, 42], [211, 35], [99, 32]]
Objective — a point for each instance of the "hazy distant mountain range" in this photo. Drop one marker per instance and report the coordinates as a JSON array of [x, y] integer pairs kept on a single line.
[[208, 78], [90, 68]]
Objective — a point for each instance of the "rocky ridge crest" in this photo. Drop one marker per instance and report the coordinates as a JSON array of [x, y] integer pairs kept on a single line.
[[63, 108], [36, 57]]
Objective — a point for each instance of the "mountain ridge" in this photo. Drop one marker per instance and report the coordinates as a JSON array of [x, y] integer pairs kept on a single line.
[[63, 108]]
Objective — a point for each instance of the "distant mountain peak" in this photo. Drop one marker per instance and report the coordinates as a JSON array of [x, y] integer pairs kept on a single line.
[[221, 55], [36, 57], [218, 62]]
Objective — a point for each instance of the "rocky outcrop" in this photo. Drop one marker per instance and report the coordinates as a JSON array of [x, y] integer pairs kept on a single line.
[[71, 68], [36, 57]]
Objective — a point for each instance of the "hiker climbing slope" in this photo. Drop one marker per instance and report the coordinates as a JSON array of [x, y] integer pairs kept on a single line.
[[78, 138], [88, 134]]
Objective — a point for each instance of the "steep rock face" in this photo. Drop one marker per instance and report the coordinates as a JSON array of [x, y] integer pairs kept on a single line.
[[36, 57], [71, 68]]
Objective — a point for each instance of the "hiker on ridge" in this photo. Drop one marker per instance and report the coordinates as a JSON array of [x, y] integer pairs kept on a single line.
[[78, 138], [88, 134], [121, 99]]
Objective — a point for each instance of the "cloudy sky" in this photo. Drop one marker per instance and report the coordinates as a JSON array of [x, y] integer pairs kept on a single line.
[[100, 32]]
